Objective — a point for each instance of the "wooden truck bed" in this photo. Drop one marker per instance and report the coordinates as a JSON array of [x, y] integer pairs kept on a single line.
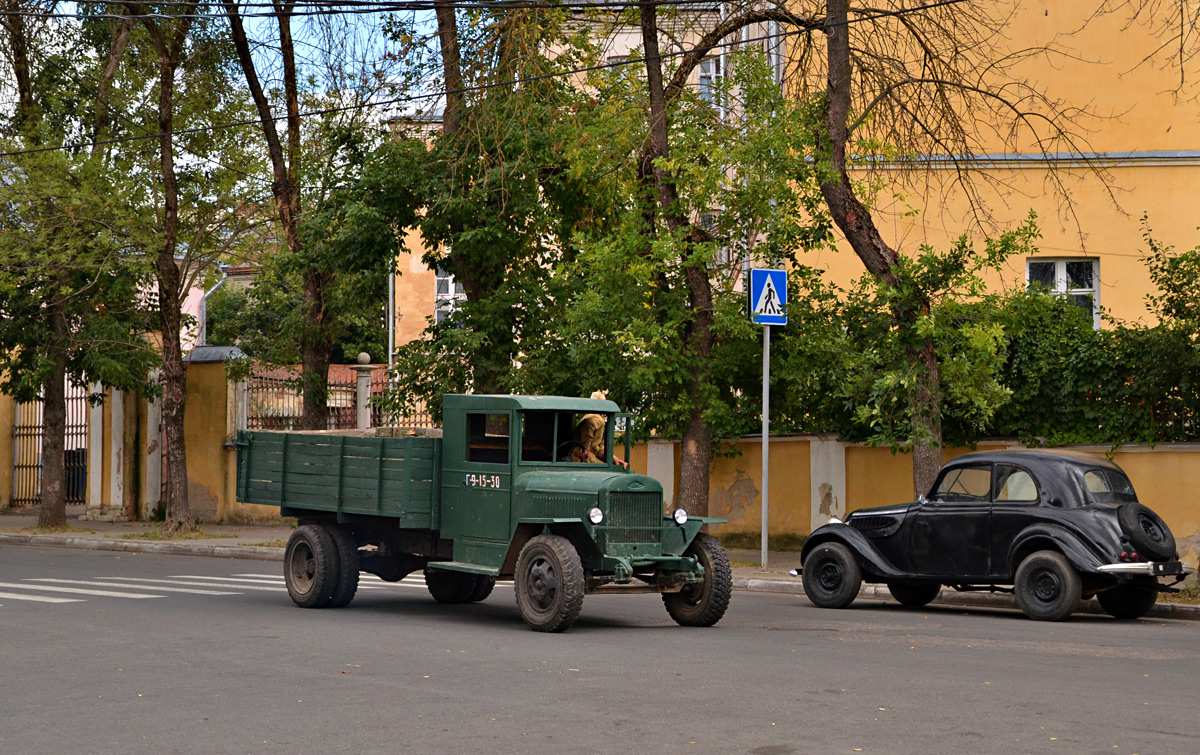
[[389, 477]]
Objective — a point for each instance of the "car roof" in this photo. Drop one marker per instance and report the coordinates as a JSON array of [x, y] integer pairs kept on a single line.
[[1037, 457]]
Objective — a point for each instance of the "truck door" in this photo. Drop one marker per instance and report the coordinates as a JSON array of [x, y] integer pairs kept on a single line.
[[477, 480]]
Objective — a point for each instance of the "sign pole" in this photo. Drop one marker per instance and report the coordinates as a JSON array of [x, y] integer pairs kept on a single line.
[[767, 306], [766, 413]]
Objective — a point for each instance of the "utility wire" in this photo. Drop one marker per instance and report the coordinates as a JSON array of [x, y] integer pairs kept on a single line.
[[806, 29], [337, 9]]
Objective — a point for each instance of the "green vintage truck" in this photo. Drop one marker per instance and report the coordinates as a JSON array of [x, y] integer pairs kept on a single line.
[[497, 496]]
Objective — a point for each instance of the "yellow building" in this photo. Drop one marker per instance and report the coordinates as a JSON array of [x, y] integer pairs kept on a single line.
[[1142, 157]]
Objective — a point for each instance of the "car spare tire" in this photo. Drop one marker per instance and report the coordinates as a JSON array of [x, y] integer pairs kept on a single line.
[[1147, 532]]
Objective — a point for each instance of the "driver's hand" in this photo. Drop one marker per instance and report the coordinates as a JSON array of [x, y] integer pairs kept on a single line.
[[621, 463]]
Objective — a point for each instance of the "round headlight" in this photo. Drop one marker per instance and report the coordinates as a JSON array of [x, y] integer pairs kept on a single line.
[[680, 516], [595, 515]]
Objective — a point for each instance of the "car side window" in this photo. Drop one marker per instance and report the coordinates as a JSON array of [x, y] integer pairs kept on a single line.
[[964, 485], [1015, 484]]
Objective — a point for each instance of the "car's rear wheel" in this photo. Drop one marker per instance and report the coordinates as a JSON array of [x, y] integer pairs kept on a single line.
[[310, 566], [1047, 587], [1132, 600], [483, 588], [450, 586], [1147, 532], [914, 595], [703, 604], [348, 565], [831, 576]]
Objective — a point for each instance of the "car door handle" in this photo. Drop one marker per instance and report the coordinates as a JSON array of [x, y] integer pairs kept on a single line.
[[922, 523]]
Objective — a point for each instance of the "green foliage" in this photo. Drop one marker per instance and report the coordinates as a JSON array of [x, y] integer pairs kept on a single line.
[[65, 251]]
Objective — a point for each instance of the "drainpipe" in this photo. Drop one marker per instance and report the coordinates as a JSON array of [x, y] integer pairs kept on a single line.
[[203, 339]]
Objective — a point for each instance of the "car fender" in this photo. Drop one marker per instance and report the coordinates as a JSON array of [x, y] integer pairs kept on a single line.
[[869, 558], [1046, 536]]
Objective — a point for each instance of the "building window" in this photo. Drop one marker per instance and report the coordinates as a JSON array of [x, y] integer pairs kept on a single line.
[[710, 75], [1078, 280], [449, 295]]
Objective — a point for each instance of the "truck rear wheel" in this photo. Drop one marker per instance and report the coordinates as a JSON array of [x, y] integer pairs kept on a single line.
[[347, 558], [450, 586], [703, 604], [310, 566], [549, 583], [483, 588]]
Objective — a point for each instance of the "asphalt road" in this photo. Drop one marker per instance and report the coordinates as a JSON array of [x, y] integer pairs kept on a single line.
[[223, 662]]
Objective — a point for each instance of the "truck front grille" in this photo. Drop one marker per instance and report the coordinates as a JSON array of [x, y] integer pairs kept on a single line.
[[632, 518]]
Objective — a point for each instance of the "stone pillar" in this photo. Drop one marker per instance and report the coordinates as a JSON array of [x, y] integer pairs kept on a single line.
[[152, 472], [95, 471], [116, 458], [362, 390], [827, 470]]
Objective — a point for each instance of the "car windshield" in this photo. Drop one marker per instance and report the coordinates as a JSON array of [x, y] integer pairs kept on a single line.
[[563, 437], [964, 484], [1108, 486]]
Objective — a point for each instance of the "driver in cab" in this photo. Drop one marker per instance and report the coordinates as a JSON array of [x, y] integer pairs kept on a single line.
[[589, 438]]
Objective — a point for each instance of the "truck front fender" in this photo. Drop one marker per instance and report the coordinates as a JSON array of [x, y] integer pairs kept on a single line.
[[574, 530], [869, 558]]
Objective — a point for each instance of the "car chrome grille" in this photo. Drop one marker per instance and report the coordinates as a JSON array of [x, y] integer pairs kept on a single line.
[[632, 518]]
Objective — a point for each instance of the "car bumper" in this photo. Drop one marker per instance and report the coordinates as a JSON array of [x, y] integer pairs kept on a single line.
[[1150, 568]]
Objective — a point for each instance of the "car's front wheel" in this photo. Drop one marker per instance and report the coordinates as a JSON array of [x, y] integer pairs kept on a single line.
[[549, 583], [1047, 587], [1132, 600], [913, 596], [831, 576]]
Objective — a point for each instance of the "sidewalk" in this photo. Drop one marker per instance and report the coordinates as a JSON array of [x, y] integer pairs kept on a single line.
[[265, 543]]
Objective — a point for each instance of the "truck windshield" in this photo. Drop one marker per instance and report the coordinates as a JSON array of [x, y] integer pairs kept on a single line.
[[563, 437]]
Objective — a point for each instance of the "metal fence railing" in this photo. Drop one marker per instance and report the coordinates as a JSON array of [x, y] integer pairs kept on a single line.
[[275, 401], [28, 432]]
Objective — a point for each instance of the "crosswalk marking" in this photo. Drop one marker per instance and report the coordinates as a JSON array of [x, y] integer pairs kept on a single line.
[[193, 584], [147, 583], [191, 590], [39, 598], [80, 591]]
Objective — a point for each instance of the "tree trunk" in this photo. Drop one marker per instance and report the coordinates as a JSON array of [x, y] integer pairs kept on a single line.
[[856, 224], [170, 279], [696, 445], [451, 65], [53, 509], [19, 49], [101, 118]]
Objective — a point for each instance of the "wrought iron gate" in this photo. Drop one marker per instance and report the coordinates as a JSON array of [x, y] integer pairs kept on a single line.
[[27, 450]]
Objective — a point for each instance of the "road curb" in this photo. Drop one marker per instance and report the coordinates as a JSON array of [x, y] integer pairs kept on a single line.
[[250, 552], [964, 599]]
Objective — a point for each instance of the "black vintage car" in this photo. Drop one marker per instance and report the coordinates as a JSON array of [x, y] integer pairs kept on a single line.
[[1052, 527]]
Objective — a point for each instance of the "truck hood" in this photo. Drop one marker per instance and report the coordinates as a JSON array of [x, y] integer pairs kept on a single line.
[[585, 481]]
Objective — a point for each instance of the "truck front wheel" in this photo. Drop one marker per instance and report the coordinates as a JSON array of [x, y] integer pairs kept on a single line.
[[703, 604], [310, 566], [549, 583]]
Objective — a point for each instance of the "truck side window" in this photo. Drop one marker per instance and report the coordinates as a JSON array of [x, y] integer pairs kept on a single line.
[[487, 438]]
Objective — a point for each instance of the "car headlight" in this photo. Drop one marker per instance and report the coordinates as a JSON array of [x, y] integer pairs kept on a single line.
[[595, 515], [680, 516]]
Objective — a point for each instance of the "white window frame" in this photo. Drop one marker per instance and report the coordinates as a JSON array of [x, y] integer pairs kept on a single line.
[[1062, 283], [708, 77], [445, 304]]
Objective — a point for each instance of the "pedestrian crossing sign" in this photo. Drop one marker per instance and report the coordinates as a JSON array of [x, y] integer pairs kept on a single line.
[[768, 297]]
